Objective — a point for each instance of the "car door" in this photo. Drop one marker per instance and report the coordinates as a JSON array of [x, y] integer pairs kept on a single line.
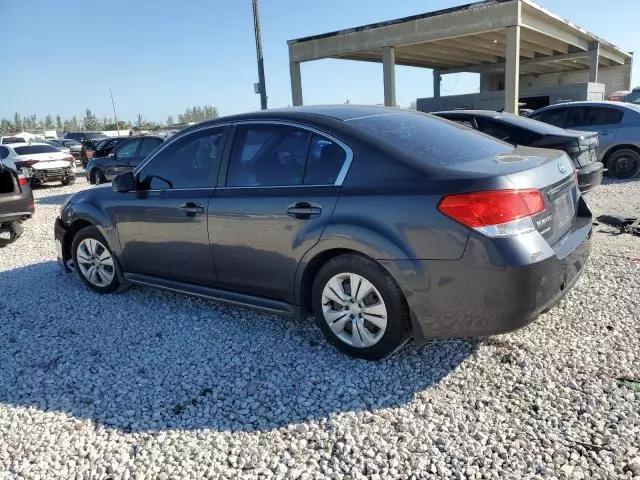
[[121, 156], [604, 120], [162, 225], [279, 193]]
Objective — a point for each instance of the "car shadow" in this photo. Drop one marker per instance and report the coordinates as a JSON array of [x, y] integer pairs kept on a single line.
[[52, 199], [608, 180], [146, 360]]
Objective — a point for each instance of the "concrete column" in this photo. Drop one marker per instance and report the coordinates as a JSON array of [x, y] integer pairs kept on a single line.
[[512, 70], [436, 83], [296, 83], [389, 75], [594, 52]]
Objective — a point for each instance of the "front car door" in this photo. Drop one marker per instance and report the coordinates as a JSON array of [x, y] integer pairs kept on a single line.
[[122, 155], [279, 193], [162, 226]]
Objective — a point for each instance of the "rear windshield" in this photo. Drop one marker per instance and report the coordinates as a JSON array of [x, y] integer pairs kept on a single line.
[[431, 139], [33, 149], [8, 140], [531, 124], [90, 135], [70, 143]]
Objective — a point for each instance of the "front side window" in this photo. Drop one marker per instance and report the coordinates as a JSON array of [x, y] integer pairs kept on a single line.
[[189, 162], [268, 155], [128, 150]]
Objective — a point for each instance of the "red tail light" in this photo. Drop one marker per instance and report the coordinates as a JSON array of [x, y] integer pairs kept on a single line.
[[26, 163], [488, 211], [23, 181]]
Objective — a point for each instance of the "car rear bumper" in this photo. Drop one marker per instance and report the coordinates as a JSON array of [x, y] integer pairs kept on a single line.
[[590, 176], [47, 174], [497, 286]]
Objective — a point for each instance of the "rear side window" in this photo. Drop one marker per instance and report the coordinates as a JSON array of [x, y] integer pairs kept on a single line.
[[603, 116], [508, 133], [128, 150], [4, 152], [34, 149], [148, 146], [554, 116], [430, 139]]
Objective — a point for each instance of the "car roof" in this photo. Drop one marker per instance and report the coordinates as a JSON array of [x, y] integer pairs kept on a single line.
[[477, 113], [338, 112], [591, 103]]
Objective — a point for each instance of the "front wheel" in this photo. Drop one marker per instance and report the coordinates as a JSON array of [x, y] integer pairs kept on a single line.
[[624, 163], [68, 181], [94, 262], [98, 177], [359, 307]]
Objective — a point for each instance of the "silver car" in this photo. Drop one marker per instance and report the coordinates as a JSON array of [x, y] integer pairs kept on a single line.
[[617, 124]]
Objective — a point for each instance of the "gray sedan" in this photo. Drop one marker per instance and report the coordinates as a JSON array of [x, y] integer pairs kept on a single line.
[[617, 124]]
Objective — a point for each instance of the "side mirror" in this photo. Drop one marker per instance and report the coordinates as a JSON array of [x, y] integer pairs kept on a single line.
[[125, 182], [112, 155]]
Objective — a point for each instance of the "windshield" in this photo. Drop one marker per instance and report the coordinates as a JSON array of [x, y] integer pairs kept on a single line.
[[430, 139], [34, 149], [90, 135], [70, 143], [633, 97]]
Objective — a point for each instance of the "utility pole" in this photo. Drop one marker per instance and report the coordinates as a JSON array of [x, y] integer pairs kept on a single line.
[[256, 28], [114, 111]]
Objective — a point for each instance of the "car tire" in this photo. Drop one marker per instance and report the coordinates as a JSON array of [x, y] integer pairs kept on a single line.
[[98, 177], [372, 322], [68, 181], [94, 262], [624, 163]]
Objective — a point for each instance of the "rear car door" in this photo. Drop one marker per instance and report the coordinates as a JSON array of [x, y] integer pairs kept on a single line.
[[604, 120], [122, 156], [279, 193], [162, 225]]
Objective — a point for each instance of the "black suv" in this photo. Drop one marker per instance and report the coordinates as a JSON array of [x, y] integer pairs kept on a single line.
[[16, 204]]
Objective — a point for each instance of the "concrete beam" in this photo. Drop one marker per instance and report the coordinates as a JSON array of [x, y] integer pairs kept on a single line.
[[437, 78], [492, 46], [594, 50], [296, 83], [536, 20], [489, 67], [419, 51], [389, 74], [535, 38], [455, 52], [406, 60], [512, 70], [486, 18]]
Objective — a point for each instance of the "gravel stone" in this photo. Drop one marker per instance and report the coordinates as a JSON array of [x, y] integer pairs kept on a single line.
[[147, 384]]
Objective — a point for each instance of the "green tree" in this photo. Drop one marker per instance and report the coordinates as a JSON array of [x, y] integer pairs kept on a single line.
[[347, 102], [90, 122], [5, 126], [48, 123], [170, 120], [413, 105], [17, 123], [139, 121], [59, 123]]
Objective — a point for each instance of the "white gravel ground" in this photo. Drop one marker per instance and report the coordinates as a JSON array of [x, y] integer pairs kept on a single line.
[[147, 384]]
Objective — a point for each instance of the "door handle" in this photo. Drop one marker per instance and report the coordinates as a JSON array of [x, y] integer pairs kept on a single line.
[[304, 210], [191, 208]]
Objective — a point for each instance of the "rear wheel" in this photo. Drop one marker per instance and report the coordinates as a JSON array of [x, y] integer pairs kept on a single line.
[[624, 163], [94, 262], [68, 181], [359, 307]]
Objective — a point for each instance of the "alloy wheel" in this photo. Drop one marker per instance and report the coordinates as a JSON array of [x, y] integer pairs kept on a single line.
[[354, 310], [95, 262]]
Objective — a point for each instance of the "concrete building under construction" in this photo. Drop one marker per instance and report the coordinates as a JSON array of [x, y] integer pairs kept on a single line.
[[525, 55]]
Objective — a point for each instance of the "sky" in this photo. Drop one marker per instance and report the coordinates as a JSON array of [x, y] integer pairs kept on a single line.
[[159, 57]]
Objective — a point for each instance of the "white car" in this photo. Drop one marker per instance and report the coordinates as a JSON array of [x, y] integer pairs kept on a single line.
[[39, 162]]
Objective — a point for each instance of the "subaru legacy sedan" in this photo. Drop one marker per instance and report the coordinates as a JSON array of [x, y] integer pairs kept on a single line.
[[386, 224]]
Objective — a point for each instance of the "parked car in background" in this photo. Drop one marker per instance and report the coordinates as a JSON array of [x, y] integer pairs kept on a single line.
[[81, 136], [617, 125], [87, 151], [74, 146], [11, 139], [106, 145], [632, 97], [124, 158], [517, 130], [617, 96], [58, 145], [385, 223], [16, 204], [39, 162]]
